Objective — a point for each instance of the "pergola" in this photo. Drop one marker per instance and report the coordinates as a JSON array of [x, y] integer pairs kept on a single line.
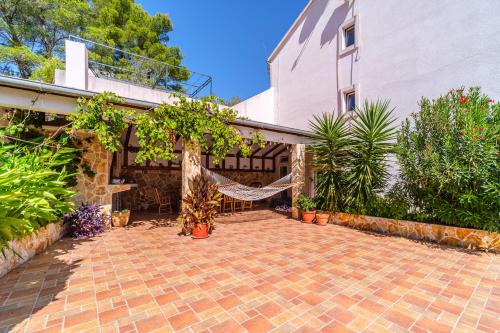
[[23, 94]]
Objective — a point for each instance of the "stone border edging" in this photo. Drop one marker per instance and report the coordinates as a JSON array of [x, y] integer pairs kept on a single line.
[[440, 234], [30, 245]]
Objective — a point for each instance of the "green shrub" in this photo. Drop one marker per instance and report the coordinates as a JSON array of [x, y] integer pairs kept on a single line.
[[448, 154], [305, 203], [33, 188]]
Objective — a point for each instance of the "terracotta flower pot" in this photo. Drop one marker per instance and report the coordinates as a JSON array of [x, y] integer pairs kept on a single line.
[[200, 231], [322, 218], [120, 219], [308, 217]]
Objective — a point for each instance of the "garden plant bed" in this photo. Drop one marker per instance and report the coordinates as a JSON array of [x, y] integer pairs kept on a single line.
[[441, 234]]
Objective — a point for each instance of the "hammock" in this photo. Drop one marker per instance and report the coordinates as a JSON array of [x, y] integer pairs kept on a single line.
[[247, 193]]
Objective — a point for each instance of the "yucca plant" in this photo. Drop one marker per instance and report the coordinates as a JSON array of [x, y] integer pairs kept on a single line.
[[372, 141], [200, 206], [330, 158]]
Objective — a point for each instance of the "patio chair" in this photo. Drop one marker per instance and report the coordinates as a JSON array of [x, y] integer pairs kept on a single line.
[[247, 205], [238, 204], [227, 201], [162, 202]]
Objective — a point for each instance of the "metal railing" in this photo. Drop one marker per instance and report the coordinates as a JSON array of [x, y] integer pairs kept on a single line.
[[115, 64]]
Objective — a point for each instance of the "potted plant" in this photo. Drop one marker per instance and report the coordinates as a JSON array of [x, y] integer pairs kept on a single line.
[[120, 218], [306, 206], [199, 208], [322, 218]]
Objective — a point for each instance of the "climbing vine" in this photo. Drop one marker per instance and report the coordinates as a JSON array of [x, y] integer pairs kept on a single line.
[[158, 129], [101, 115]]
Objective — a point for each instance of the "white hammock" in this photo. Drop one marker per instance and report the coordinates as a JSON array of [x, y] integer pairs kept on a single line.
[[247, 193]]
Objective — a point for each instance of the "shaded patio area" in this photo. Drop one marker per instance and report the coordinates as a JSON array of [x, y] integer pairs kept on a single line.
[[269, 274]]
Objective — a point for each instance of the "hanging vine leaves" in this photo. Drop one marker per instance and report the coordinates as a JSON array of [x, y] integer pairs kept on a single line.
[[157, 129], [101, 115]]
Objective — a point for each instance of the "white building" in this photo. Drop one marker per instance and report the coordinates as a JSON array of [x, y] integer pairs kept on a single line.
[[340, 52]]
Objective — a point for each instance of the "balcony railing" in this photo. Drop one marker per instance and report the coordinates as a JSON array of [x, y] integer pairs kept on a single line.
[[115, 64]]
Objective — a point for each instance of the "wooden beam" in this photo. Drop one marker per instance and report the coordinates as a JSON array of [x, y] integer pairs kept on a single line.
[[271, 150], [125, 145], [279, 152], [238, 160], [256, 151]]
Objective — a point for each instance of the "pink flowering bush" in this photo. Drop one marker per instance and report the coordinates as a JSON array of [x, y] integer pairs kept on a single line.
[[448, 155]]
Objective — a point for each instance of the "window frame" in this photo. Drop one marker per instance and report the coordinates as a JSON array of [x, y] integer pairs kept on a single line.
[[351, 23], [353, 89]]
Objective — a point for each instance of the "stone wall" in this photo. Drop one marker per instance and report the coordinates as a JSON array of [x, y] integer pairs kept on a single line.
[[441, 234], [29, 246], [142, 197]]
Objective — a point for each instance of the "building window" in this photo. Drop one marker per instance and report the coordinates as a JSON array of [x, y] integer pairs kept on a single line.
[[350, 101], [349, 36]]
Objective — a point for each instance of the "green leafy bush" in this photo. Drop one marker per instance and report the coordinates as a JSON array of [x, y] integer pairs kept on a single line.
[[305, 203], [33, 188], [448, 154]]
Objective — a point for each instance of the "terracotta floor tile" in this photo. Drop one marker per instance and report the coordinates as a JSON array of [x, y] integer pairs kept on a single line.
[[203, 305], [311, 298], [229, 302], [227, 326], [270, 309], [113, 314], [183, 319], [81, 317], [151, 323], [257, 324], [259, 276], [139, 300]]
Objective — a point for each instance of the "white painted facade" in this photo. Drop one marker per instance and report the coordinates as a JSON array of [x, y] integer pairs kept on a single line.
[[405, 49]]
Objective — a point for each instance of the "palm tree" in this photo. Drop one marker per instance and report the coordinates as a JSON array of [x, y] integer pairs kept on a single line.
[[372, 141], [330, 159]]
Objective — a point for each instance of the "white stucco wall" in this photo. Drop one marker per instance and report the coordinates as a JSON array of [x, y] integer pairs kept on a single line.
[[407, 49], [260, 107]]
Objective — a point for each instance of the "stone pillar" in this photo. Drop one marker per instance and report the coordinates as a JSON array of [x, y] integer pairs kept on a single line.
[[191, 164], [298, 160], [93, 175]]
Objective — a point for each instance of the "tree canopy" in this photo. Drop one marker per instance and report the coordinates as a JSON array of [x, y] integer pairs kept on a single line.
[[32, 34]]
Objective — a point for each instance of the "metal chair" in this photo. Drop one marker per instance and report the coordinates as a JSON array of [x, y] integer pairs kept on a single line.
[[162, 202]]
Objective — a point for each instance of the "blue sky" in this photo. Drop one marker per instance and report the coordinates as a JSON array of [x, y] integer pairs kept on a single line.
[[229, 39]]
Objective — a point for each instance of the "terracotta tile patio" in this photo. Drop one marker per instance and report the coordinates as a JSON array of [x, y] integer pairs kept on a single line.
[[272, 274]]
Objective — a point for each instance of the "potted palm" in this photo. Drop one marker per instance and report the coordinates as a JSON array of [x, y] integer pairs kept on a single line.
[[307, 207], [199, 208]]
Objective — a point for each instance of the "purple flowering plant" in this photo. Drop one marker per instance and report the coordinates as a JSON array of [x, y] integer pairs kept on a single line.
[[86, 221]]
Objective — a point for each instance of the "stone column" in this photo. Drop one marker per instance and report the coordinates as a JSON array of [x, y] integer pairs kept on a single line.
[[191, 164], [298, 160], [93, 182]]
